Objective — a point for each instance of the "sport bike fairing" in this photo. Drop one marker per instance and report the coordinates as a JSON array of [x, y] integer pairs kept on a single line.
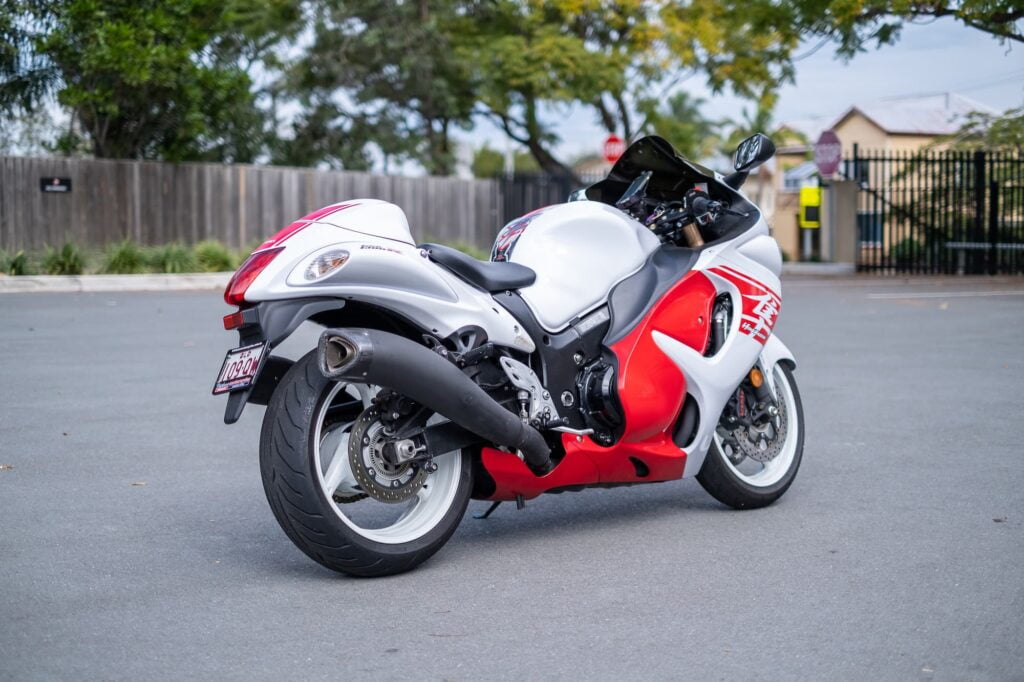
[[384, 268], [587, 254], [673, 174]]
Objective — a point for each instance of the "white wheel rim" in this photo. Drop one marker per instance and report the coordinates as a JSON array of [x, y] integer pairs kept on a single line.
[[416, 517], [774, 470]]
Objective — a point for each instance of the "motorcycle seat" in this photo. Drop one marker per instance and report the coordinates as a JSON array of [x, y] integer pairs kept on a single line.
[[488, 276]]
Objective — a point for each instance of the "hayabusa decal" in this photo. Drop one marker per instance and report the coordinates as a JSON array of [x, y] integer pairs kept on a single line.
[[509, 235], [760, 305]]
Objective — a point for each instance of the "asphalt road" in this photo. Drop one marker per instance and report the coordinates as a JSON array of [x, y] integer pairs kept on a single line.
[[135, 540]]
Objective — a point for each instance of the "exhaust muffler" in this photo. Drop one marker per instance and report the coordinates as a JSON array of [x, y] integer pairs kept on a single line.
[[376, 357]]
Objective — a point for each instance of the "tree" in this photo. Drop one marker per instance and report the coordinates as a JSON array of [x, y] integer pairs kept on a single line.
[[994, 132], [855, 25], [153, 79], [489, 163], [682, 123], [613, 56], [388, 63]]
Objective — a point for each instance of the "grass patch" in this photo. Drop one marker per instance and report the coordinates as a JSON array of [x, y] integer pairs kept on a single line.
[[213, 257], [172, 259], [67, 260], [18, 264], [124, 258]]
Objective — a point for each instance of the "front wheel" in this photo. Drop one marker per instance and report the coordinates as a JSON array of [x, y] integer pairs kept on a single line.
[[751, 467], [341, 502]]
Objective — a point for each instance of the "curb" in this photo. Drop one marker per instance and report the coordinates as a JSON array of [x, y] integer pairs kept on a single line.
[[64, 284], [820, 269]]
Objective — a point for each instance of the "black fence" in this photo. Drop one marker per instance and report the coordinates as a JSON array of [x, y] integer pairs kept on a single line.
[[527, 192], [939, 212]]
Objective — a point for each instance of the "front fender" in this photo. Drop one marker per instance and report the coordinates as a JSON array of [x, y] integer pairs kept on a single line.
[[775, 352]]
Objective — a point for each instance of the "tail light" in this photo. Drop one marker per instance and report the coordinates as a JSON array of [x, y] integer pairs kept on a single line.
[[234, 294]]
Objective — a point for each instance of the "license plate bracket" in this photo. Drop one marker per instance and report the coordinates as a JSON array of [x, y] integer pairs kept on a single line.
[[241, 367]]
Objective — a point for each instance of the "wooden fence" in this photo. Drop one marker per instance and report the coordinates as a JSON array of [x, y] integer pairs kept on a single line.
[[238, 205]]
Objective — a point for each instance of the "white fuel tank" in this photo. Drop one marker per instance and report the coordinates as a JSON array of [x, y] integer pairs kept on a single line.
[[579, 250]]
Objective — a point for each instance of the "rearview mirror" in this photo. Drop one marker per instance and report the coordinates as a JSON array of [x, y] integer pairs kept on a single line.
[[753, 151]]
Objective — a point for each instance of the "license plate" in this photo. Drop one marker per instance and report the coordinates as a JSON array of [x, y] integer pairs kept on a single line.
[[240, 368]]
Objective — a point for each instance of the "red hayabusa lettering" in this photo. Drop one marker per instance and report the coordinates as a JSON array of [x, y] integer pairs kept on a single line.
[[760, 305]]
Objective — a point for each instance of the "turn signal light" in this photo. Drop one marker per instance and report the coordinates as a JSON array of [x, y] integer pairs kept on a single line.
[[234, 294], [756, 378]]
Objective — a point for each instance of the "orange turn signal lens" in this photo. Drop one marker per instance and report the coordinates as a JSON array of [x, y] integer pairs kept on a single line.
[[756, 378]]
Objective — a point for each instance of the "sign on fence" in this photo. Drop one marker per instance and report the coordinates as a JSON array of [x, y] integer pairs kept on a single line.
[[55, 185]]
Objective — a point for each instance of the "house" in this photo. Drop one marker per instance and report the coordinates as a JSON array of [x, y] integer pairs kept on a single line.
[[888, 126]]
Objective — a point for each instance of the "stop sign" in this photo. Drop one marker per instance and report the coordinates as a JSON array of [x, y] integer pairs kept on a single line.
[[613, 148], [828, 152]]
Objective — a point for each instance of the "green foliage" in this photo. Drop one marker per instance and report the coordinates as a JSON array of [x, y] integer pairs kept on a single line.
[[143, 80], [124, 258], [681, 121], [67, 260], [489, 163], [407, 88], [213, 256], [994, 132], [856, 26], [172, 258], [18, 264], [393, 80], [908, 250]]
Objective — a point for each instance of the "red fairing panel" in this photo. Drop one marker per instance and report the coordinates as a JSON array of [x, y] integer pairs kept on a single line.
[[651, 387], [302, 223], [761, 305], [585, 463]]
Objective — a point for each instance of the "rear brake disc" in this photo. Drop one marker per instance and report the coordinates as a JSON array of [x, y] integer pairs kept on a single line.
[[378, 477]]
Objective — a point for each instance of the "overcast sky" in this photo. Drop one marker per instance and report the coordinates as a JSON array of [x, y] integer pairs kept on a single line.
[[942, 56]]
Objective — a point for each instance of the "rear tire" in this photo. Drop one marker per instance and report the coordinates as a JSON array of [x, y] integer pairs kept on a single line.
[[723, 481], [293, 485]]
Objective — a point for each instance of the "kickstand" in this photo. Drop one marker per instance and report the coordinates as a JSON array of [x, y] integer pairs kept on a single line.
[[488, 512]]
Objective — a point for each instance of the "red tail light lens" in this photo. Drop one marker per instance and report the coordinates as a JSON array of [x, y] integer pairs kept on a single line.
[[234, 294]]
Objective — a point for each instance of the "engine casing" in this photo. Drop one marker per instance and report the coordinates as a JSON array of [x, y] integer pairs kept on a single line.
[[579, 250]]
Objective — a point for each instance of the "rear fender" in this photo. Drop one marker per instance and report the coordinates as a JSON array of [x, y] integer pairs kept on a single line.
[[274, 321]]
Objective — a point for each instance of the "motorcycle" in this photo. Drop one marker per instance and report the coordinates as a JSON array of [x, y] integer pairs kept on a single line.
[[623, 337]]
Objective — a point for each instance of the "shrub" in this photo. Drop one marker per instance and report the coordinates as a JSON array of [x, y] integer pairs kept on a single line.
[[125, 258], [213, 257], [17, 264], [172, 258], [67, 260], [907, 250]]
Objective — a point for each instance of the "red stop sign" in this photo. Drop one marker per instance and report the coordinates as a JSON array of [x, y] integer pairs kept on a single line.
[[828, 152], [613, 148]]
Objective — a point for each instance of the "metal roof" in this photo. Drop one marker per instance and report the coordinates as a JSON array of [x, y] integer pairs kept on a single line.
[[940, 114]]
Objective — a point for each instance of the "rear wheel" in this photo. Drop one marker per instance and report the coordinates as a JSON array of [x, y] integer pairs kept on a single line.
[[753, 467], [335, 494]]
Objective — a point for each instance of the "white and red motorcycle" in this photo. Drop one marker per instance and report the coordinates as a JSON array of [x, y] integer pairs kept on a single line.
[[623, 337]]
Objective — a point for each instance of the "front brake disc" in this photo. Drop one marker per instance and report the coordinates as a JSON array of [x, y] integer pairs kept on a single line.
[[763, 443]]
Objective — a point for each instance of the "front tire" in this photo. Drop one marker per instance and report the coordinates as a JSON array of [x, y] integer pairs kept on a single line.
[[724, 479], [304, 428]]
